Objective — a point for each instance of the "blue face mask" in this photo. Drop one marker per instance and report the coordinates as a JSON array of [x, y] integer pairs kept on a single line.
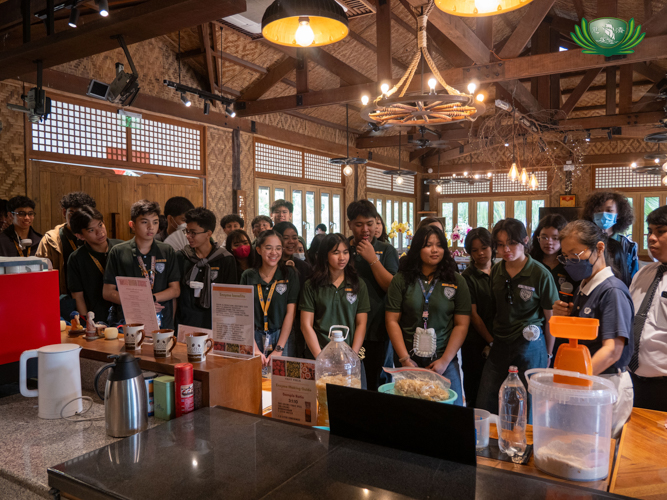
[[605, 220], [579, 271]]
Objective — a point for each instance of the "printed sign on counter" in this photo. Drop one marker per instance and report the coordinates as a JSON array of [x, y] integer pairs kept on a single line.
[[136, 298], [233, 320], [184, 330], [293, 391]]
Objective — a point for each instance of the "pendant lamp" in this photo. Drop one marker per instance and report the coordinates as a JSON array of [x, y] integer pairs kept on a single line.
[[479, 8], [304, 23]]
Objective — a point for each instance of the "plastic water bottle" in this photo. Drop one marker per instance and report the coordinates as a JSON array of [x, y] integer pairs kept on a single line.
[[512, 416]]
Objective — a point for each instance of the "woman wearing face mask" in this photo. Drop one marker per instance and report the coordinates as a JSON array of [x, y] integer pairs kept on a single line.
[[429, 300], [276, 295], [475, 349], [523, 296], [238, 244], [546, 249], [612, 213], [604, 297], [301, 253]]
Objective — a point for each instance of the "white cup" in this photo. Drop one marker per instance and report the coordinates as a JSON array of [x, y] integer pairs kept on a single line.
[[161, 340], [197, 346], [134, 336], [482, 420]]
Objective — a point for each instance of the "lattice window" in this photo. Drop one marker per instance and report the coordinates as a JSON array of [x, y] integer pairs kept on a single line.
[[317, 167], [408, 185], [276, 160], [623, 177], [460, 188], [157, 143], [375, 179], [501, 184], [77, 130]]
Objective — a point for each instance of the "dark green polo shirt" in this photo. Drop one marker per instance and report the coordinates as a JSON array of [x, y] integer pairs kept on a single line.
[[533, 290], [334, 306], [376, 329], [223, 270], [84, 276], [287, 292], [479, 284], [446, 301], [123, 261]]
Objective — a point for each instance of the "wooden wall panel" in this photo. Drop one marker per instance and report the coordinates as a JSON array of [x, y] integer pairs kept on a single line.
[[12, 146]]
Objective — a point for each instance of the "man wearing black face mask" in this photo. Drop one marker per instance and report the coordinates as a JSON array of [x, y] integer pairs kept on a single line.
[[604, 297]]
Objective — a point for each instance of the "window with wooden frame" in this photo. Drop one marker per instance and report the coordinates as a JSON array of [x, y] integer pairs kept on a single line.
[[78, 131]]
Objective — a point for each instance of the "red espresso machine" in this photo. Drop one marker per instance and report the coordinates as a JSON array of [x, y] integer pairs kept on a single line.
[[29, 310]]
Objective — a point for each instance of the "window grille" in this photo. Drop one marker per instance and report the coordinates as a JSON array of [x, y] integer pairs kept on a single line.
[[375, 179], [317, 167], [461, 188], [501, 184], [157, 143], [277, 160], [623, 177], [408, 185]]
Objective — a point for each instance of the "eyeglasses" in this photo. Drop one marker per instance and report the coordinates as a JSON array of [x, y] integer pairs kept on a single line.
[[508, 287], [564, 260], [555, 239], [24, 214], [509, 244], [190, 232]]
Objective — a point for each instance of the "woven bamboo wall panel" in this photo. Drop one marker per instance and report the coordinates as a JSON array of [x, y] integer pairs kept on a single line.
[[581, 186], [219, 175], [12, 146], [616, 147], [247, 173]]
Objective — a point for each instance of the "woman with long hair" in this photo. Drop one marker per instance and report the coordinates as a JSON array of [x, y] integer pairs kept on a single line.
[[606, 298], [430, 221], [238, 244], [334, 295], [428, 308], [276, 291], [545, 249], [479, 245], [381, 230], [523, 297], [314, 248]]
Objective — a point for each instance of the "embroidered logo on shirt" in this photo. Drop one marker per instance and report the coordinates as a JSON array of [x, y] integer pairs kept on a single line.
[[159, 267], [281, 288], [587, 310], [450, 292], [351, 297], [561, 280], [526, 294], [214, 274]]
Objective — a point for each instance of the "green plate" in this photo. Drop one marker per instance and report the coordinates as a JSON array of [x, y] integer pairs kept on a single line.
[[389, 389]]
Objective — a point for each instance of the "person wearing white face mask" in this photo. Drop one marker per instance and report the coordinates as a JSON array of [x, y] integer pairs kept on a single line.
[[612, 213]]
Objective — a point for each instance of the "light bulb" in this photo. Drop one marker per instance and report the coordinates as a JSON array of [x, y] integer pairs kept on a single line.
[[438, 188], [364, 99], [480, 98], [399, 180], [507, 144], [476, 176], [384, 88], [489, 174], [431, 84], [304, 35], [347, 170], [453, 175], [664, 180], [657, 160], [524, 176], [533, 182], [513, 173], [486, 6], [465, 174], [472, 87], [633, 165], [664, 166]]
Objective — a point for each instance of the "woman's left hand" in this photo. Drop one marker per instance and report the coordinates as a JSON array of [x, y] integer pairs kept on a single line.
[[272, 355], [438, 366]]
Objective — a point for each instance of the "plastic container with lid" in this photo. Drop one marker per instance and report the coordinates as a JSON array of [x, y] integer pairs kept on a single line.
[[337, 364], [571, 424]]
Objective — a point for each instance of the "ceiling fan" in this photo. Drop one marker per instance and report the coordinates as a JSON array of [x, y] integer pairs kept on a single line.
[[415, 143]]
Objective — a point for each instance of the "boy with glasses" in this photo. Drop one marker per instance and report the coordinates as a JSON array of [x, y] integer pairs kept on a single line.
[[20, 239], [281, 211]]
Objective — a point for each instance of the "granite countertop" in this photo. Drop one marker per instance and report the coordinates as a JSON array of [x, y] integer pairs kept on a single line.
[[221, 453], [29, 444]]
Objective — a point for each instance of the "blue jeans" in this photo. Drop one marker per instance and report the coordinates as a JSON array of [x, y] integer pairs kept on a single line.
[[521, 353], [451, 372], [274, 335]]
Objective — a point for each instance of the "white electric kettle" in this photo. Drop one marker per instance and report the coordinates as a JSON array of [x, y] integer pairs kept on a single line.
[[59, 378]]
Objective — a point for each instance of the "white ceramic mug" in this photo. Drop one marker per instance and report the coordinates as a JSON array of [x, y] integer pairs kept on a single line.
[[161, 339], [197, 346], [134, 336]]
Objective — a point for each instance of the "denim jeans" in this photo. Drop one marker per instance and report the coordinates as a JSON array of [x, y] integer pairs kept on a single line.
[[274, 335], [451, 372], [521, 353]]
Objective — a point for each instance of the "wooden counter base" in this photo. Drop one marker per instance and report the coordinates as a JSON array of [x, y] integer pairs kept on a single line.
[[229, 382]]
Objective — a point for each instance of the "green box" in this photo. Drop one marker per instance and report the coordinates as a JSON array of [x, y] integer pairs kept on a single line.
[[163, 396]]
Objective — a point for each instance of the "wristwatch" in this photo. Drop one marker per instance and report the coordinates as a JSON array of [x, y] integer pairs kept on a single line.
[[154, 298], [279, 348]]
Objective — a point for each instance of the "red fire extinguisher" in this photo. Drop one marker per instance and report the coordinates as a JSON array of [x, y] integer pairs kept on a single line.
[[184, 388]]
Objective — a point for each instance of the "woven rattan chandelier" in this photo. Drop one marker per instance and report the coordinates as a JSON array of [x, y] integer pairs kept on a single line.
[[421, 109]]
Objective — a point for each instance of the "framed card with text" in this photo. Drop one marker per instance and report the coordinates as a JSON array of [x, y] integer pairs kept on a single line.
[[567, 200]]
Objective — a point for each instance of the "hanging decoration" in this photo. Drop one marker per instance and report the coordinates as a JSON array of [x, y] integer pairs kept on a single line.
[[421, 109], [479, 8], [347, 162]]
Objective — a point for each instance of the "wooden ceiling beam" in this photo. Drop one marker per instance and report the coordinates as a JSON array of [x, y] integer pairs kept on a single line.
[[393, 140], [610, 93], [657, 25], [625, 89], [579, 9], [151, 19], [320, 121], [275, 74], [649, 71], [580, 90], [527, 26], [301, 71], [383, 34], [205, 41]]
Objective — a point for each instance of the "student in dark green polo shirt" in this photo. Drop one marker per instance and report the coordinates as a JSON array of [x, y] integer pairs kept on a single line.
[[334, 295], [475, 349], [201, 263], [428, 308], [143, 257], [85, 276], [276, 295], [376, 263], [523, 295], [545, 249]]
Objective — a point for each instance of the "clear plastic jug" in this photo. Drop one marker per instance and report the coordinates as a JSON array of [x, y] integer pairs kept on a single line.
[[337, 364], [571, 424]]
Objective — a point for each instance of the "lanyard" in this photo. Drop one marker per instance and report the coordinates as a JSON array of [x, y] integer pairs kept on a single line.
[[147, 274], [427, 296], [265, 305], [20, 251], [97, 263], [74, 247]]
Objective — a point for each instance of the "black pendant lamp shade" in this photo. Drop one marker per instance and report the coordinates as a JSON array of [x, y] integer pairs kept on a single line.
[[320, 22]]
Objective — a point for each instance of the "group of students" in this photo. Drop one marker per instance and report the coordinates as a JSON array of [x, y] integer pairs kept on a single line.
[[416, 311]]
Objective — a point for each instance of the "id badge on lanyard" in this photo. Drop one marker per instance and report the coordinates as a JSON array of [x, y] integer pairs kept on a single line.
[[425, 343], [148, 274]]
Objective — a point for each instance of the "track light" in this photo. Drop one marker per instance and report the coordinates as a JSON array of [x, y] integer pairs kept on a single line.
[[185, 100], [104, 7], [565, 139], [588, 136], [74, 17], [609, 134], [230, 112], [207, 107]]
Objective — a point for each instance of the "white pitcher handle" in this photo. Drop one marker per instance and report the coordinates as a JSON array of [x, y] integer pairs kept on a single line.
[[23, 374]]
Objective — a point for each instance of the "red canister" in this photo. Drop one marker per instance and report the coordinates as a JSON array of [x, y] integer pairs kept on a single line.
[[184, 388]]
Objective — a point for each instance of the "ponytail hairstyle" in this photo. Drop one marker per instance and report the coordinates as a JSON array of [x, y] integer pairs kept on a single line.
[[589, 234], [411, 264], [320, 276], [261, 239]]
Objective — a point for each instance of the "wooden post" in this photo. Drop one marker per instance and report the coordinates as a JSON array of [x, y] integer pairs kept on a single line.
[[383, 29], [611, 90], [625, 90], [301, 71]]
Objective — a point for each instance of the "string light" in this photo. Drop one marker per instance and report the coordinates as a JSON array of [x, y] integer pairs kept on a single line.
[[480, 98]]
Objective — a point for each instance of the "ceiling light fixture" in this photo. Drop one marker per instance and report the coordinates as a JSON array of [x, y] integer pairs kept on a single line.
[[185, 100], [305, 23], [348, 171], [431, 85], [207, 107], [104, 7], [74, 17], [347, 162], [479, 8], [364, 99], [472, 87]]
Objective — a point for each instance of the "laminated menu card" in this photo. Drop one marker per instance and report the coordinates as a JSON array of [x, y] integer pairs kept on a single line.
[[293, 390]]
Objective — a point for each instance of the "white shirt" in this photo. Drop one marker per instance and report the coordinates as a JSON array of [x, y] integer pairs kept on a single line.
[[177, 240], [653, 345], [596, 280]]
